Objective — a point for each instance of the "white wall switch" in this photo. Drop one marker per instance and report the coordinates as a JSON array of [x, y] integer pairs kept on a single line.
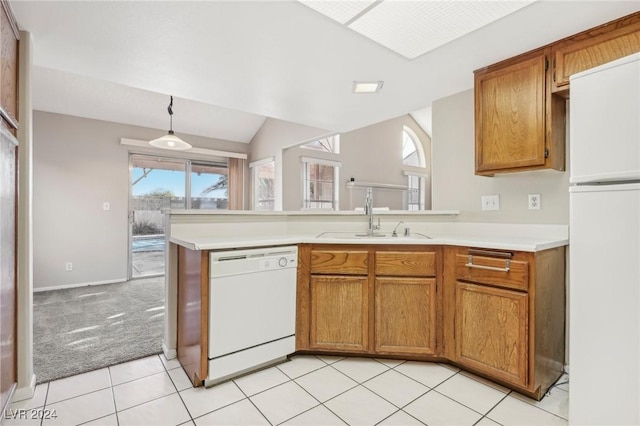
[[106, 206], [534, 201], [68, 266], [490, 202]]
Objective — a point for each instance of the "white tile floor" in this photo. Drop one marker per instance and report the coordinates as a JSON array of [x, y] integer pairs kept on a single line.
[[308, 390]]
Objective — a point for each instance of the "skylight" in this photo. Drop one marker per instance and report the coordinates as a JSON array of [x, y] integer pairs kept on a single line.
[[413, 28]]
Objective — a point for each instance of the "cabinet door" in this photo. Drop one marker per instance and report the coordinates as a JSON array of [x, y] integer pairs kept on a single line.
[[510, 116], [405, 315], [491, 331], [595, 47], [339, 313]]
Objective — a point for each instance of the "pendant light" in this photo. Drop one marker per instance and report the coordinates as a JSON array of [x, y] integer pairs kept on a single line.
[[170, 141]]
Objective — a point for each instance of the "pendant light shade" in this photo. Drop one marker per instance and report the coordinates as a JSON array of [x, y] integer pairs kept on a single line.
[[170, 141]]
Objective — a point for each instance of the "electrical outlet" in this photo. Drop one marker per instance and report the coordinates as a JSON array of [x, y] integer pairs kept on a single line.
[[68, 266], [490, 202], [534, 201], [106, 206]]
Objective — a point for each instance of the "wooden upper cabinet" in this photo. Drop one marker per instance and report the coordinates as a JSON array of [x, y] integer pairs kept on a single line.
[[594, 47], [520, 107], [515, 117], [8, 66]]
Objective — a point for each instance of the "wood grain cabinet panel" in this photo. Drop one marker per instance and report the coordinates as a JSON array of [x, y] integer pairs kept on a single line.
[[403, 263], [510, 115], [493, 271], [405, 315], [339, 313], [595, 47], [343, 262], [426, 303], [492, 331]]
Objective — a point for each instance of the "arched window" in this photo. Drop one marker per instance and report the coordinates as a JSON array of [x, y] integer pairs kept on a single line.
[[413, 156], [412, 151]]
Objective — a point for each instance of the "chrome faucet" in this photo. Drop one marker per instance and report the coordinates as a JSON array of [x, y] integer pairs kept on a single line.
[[394, 233], [368, 210]]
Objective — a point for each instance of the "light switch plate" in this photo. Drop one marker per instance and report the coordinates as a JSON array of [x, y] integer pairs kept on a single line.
[[106, 206], [534, 202], [490, 202]]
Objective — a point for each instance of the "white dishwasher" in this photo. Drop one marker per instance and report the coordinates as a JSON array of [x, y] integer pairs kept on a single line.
[[252, 309]]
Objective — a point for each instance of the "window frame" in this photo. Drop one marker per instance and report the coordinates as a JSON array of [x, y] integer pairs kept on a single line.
[[305, 187], [253, 167], [419, 171], [422, 179], [335, 142]]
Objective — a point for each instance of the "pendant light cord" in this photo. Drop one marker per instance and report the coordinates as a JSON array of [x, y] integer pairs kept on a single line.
[[170, 109]]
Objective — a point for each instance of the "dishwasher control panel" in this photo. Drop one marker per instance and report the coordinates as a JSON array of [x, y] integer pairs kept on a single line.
[[225, 263], [277, 262]]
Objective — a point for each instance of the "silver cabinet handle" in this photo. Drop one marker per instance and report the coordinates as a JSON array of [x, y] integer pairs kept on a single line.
[[507, 266]]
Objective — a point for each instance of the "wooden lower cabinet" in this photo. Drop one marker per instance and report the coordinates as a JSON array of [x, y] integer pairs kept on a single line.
[[491, 331], [405, 315], [497, 313], [339, 313], [368, 299], [504, 315]]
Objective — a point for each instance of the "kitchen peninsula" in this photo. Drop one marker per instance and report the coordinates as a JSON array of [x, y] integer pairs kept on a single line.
[[489, 298]]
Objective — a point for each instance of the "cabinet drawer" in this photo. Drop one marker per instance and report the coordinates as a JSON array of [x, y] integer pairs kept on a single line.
[[493, 271], [404, 263], [343, 262]]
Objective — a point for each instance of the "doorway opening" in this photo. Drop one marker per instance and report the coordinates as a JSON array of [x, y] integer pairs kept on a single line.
[[159, 183]]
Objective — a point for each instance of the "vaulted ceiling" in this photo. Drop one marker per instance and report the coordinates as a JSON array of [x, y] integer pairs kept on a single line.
[[232, 64]]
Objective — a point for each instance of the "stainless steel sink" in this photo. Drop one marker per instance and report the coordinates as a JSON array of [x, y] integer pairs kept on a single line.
[[377, 235]]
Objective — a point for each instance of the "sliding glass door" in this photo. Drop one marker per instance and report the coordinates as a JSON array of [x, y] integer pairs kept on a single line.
[[158, 183], [155, 183]]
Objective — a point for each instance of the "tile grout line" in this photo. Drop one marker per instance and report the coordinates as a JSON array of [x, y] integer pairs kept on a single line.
[[493, 408], [44, 404], [177, 391], [307, 373], [319, 403], [424, 384], [540, 408], [362, 384], [251, 402], [113, 395]]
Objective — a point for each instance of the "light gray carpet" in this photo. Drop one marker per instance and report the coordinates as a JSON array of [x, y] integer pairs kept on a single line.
[[82, 329]]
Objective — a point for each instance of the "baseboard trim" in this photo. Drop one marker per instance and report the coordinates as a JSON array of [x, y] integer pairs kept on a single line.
[[25, 392], [60, 287], [169, 353]]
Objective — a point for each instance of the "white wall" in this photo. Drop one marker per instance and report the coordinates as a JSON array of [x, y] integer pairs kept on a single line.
[[77, 165], [369, 154], [269, 141], [274, 135], [455, 186]]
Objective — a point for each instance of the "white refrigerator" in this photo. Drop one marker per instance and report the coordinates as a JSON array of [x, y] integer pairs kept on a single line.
[[604, 245]]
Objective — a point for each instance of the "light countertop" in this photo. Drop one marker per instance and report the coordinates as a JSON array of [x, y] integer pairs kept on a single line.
[[500, 242]]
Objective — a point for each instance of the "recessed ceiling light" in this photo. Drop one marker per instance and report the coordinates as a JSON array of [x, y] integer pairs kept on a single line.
[[367, 86]]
